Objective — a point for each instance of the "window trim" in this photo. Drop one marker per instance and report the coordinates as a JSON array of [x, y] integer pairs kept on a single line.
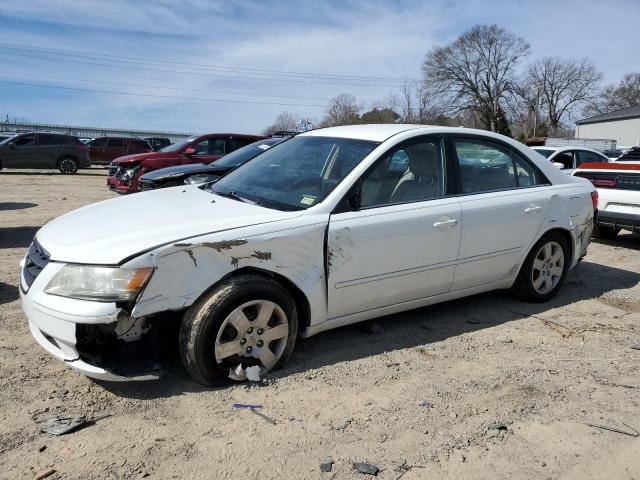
[[451, 138], [343, 207]]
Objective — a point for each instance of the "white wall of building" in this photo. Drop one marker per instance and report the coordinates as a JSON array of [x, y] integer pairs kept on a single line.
[[625, 132]]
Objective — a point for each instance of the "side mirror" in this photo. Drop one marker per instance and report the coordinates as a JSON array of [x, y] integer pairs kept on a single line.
[[189, 151], [559, 165]]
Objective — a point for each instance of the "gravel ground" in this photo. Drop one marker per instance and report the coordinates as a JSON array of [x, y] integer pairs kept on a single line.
[[485, 387]]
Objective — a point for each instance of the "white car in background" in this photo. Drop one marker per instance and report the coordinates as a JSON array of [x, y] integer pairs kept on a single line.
[[618, 185], [330, 227], [569, 158]]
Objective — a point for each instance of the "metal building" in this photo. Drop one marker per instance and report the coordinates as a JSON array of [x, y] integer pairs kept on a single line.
[[620, 125], [89, 132]]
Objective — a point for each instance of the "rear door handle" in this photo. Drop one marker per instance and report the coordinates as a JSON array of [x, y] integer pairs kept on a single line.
[[532, 209], [446, 223]]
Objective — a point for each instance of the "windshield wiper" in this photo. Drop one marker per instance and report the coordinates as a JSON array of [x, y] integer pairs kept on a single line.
[[233, 195]]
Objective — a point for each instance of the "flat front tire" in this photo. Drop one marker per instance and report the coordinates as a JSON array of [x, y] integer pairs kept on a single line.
[[249, 320], [544, 270]]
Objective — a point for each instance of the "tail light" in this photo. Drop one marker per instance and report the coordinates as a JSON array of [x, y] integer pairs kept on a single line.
[[594, 200], [604, 182]]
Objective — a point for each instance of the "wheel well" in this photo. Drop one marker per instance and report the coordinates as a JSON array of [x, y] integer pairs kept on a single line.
[[300, 299], [567, 236], [62, 157]]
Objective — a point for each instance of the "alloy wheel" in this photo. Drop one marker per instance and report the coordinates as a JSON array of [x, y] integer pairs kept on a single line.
[[256, 331], [68, 166], [548, 267]]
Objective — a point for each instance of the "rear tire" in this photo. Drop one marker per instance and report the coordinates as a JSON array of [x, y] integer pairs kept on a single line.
[[606, 233], [211, 345], [68, 165], [544, 270]]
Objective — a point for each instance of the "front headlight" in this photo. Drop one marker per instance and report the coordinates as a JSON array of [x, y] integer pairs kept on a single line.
[[106, 284], [200, 178]]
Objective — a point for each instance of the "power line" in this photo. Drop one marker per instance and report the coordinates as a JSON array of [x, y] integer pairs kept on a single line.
[[233, 69], [174, 97], [230, 92]]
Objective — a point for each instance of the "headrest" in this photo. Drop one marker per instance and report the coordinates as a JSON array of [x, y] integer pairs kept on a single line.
[[423, 159]]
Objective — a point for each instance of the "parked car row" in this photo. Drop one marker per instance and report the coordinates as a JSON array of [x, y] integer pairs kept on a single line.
[[125, 172], [44, 150]]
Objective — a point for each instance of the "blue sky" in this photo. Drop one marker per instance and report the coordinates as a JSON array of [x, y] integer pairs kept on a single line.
[[139, 53]]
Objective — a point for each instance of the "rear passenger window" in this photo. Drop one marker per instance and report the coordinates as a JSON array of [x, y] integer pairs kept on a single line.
[[25, 141], [235, 144], [588, 157], [485, 166], [115, 142], [99, 142], [51, 140]]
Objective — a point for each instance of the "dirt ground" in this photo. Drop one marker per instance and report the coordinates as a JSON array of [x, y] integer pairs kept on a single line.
[[485, 387]]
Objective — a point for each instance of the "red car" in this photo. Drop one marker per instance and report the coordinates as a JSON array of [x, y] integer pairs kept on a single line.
[[124, 172]]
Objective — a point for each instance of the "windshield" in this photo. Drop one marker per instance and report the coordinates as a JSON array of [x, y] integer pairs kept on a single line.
[[244, 154], [174, 147], [544, 153], [295, 174], [7, 139]]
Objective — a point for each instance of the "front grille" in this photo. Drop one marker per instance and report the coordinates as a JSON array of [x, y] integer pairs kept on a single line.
[[37, 259]]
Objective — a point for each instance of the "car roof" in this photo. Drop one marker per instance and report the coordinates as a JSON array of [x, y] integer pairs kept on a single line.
[[372, 132], [566, 148]]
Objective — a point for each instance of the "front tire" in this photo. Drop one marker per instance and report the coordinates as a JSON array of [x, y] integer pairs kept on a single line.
[[68, 165], [248, 320], [544, 270]]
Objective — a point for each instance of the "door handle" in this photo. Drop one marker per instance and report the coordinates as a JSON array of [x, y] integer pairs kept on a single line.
[[452, 222], [532, 209]]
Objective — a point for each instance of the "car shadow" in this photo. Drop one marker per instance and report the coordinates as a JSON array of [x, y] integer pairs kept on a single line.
[[17, 237], [16, 205], [8, 293], [416, 328], [622, 240]]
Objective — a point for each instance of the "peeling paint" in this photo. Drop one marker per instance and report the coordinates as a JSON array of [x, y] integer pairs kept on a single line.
[[190, 253], [256, 254], [224, 244]]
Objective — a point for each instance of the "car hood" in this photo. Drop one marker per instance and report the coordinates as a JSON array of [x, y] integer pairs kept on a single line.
[[180, 170], [138, 157], [108, 232]]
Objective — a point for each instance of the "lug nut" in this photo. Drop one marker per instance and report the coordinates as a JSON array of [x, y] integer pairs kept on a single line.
[[243, 341], [260, 331], [250, 330], [260, 343], [249, 349]]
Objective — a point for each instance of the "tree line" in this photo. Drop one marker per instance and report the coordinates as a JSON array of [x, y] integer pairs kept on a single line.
[[479, 81]]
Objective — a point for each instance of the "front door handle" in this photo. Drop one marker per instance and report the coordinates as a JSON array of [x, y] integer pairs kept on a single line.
[[532, 209], [452, 222]]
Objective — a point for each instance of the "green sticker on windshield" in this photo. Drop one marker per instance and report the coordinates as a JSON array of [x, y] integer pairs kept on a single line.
[[308, 199]]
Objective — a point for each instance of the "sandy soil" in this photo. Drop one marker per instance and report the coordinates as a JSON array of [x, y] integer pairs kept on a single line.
[[420, 389]]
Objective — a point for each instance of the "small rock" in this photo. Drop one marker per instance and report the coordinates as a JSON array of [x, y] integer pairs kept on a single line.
[[425, 404], [636, 346], [543, 464], [504, 339], [342, 424], [62, 393], [498, 426], [453, 414], [326, 464], [382, 437], [42, 448], [366, 468]]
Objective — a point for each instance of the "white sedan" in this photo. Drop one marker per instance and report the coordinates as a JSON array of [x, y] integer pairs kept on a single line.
[[570, 158], [331, 227]]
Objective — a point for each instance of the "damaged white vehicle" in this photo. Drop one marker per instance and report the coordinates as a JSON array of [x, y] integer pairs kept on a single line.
[[328, 228]]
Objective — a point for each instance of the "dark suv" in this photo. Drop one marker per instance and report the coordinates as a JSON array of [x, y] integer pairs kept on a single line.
[[157, 143], [44, 150], [104, 149]]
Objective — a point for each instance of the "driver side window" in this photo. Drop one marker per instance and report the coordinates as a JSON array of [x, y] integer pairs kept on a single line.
[[412, 173], [25, 141]]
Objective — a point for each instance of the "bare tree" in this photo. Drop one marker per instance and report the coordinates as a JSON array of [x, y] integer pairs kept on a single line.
[[615, 97], [285, 122], [342, 110], [564, 85], [475, 72]]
